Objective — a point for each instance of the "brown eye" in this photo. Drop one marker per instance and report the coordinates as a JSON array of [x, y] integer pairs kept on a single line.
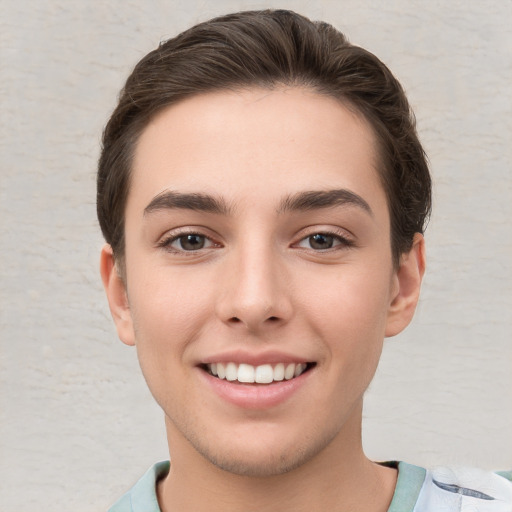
[[321, 241], [324, 242], [190, 242]]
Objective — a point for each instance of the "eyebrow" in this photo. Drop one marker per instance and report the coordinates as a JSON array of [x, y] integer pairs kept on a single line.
[[188, 201], [301, 201], [317, 199]]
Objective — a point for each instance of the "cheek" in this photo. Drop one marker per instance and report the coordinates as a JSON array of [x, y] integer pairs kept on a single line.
[[350, 318], [166, 322], [169, 311], [164, 296], [355, 301]]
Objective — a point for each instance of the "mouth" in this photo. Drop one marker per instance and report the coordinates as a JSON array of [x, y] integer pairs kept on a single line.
[[263, 374]]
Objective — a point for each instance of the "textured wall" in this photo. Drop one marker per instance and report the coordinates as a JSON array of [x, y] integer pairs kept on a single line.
[[77, 425]]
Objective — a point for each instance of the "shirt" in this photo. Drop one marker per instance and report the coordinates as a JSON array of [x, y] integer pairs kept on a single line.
[[417, 490]]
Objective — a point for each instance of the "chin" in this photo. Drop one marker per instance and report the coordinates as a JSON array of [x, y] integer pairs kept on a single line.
[[252, 465], [265, 458]]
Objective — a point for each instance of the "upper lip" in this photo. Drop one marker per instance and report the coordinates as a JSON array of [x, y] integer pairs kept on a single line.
[[254, 358]]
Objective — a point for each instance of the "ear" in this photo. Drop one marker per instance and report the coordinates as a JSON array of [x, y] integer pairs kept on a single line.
[[116, 294], [407, 286]]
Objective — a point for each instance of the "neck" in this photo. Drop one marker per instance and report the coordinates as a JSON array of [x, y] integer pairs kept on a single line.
[[339, 478]]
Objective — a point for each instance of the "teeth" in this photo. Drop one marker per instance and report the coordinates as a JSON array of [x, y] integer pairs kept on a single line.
[[289, 372], [263, 374], [245, 373], [231, 371], [279, 371]]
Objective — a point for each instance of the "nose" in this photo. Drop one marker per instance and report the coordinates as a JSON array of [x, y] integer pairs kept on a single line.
[[254, 291]]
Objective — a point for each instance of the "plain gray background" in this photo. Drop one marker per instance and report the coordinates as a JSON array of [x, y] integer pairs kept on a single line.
[[77, 425]]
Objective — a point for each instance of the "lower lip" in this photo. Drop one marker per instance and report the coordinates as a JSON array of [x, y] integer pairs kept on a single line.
[[256, 396]]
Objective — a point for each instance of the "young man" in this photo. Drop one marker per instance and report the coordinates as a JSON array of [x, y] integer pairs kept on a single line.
[[263, 195]]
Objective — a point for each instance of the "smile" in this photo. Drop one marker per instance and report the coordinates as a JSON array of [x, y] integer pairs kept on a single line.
[[262, 374]]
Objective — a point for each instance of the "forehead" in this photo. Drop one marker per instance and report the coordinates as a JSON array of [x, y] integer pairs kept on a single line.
[[255, 143]]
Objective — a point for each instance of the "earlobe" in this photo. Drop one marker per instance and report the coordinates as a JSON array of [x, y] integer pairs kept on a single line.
[[408, 279], [116, 295]]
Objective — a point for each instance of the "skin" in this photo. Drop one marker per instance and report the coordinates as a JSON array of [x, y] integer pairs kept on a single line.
[[261, 284]]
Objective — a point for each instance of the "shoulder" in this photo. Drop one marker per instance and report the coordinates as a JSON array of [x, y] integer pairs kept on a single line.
[[142, 496], [451, 490]]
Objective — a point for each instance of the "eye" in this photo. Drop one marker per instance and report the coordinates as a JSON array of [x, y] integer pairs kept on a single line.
[[324, 241], [188, 242], [192, 242]]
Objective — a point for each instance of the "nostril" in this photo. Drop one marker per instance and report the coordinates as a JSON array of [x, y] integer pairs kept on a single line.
[[273, 318]]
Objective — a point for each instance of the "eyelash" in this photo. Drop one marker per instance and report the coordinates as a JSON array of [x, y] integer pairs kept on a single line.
[[166, 243], [343, 241]]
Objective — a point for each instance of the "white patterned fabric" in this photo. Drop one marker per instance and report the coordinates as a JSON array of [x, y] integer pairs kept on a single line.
[[464, 490]]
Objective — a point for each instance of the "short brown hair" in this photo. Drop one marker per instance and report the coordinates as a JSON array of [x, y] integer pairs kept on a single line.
[[267, 49]]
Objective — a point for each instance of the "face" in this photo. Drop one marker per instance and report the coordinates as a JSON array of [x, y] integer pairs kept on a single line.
[[259, 277]]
